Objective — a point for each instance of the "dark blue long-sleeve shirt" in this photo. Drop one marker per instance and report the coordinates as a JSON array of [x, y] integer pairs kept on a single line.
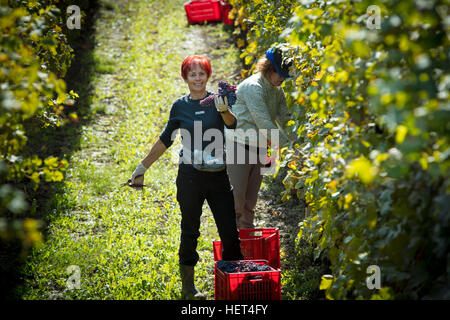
[[184, 113]]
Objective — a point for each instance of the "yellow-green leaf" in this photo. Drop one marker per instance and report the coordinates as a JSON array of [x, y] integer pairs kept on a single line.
[[290, 123], [363, 169], [401, 133], [326, 282], [51, 162]]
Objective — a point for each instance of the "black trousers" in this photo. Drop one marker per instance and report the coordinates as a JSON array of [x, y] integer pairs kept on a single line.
[[193, 188]]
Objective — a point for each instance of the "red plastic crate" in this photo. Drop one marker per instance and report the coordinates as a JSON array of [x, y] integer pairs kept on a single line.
[[260, 285], [198, 11], [224, 11], [258, 243]]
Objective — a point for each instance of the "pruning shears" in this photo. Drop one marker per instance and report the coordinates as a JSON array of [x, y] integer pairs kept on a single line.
[[134, 185]]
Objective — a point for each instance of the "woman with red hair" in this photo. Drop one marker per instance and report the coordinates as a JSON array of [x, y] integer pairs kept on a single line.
[[202, 174]]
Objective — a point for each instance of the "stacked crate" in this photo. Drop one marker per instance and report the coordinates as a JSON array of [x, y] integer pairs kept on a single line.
[[262, 246], [199, 11]]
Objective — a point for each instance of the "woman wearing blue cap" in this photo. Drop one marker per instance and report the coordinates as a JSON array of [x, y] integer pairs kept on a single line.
[[260, 104]]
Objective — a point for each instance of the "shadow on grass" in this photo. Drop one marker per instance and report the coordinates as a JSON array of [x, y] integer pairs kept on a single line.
[[60, 142]]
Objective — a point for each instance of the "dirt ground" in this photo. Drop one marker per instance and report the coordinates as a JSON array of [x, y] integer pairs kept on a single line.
[[272, 212]]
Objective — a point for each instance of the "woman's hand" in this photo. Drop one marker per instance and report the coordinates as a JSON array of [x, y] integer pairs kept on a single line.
[[137, 178], [139, 172], [222, 107], [221, 103]]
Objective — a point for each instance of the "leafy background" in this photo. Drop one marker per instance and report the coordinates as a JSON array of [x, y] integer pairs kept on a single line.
[[371, 121]]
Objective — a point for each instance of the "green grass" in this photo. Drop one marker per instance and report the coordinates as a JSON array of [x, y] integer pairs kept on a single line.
[[124, 241]]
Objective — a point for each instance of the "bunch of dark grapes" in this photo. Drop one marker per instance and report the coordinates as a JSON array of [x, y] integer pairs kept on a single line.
[[228, 266], [248, 266], [225, 90], [241, 266]]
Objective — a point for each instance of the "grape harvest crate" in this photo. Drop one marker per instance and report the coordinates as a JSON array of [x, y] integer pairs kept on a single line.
[[224, 11], [259, 243], [198, 11], [255, 285]]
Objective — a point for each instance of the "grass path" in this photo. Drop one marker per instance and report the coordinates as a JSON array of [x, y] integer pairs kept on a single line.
[[125, 242]]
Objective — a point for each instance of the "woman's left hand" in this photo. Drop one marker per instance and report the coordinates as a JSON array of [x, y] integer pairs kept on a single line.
[[221, 103]]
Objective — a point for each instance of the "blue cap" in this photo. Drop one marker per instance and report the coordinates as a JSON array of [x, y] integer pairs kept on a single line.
[[274, 55]]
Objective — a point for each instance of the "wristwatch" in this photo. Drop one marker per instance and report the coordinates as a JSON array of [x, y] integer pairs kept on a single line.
[[224, 111]]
